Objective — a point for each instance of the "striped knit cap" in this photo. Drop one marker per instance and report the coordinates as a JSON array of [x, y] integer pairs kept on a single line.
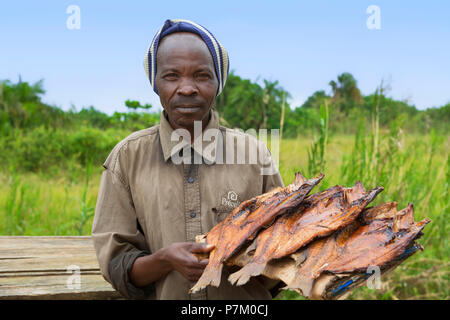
[[218, 52]]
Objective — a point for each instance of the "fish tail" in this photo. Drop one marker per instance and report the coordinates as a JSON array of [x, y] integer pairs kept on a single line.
[[210, 276], [243, 275]]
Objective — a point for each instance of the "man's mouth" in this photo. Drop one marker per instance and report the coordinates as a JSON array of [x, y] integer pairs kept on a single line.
[[186, 109]]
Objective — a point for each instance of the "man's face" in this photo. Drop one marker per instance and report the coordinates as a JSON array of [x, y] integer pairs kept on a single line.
[[185, 78]]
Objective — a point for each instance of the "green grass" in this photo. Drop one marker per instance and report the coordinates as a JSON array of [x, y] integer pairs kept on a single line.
[[33, 204], [411, 169]]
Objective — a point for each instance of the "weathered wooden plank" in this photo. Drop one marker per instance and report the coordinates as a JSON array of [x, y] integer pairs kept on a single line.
[[55, 287], [59, 262], [37, 268], [46, 253]]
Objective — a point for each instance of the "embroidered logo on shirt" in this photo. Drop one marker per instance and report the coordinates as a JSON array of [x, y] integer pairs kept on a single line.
[[230, 200]]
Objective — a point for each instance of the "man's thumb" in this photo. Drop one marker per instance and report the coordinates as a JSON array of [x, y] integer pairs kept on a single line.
[[202, 247]]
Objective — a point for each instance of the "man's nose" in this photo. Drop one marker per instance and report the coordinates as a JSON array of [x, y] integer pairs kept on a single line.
[[187, 88]]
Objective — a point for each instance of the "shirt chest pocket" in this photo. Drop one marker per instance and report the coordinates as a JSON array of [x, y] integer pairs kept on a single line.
[[228, 187], [220, 213], [227, 201]]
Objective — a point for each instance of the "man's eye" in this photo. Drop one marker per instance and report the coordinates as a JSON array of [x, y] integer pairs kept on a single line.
[[171, 76], [203, 76]]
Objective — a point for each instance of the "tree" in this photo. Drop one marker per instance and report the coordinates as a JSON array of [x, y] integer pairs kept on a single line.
[[346, 94], [133, 104], [272, 103], [245, 104], [14, 96], [315, 100]]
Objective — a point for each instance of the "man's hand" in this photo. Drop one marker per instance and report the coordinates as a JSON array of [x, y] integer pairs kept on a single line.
[[181, 258], [177, 256]]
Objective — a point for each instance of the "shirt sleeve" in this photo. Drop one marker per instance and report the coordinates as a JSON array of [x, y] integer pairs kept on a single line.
[[118, 240], [119, 269]]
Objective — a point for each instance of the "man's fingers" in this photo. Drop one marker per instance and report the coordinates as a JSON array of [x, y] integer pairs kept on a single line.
[[194, 275], [201, 247], [204, 262], [199, 264], [192, 261]]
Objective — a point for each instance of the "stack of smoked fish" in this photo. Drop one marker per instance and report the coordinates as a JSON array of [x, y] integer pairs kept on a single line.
[[321, 245]]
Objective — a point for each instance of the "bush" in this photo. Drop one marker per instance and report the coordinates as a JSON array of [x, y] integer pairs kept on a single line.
[[32, 150], [41, 148]]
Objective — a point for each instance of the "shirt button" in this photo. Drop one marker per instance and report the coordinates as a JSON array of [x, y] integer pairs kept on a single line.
[[193, 214], [191, 179]]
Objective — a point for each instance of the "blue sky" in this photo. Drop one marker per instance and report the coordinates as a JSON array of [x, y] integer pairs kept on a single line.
[[302, 44]]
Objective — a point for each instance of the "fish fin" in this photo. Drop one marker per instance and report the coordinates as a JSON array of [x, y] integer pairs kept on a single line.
[[356, 192], [210, 276], [251, 249], [317, 179], [299, 257], [360, 187], [299, 178], [368, 198], [302, 284], [381, 211], [404, 218], [347, 196], [243, 275]]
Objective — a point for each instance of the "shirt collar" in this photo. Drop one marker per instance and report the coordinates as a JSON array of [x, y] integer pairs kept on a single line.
[[172, 145]]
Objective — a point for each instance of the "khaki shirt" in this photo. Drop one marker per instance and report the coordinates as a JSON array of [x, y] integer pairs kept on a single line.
[[147, 201]]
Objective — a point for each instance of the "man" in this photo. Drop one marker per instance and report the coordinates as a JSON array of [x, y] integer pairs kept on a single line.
[[151, 205]]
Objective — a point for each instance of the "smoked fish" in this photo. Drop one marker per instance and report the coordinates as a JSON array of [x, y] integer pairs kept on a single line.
[[246, 220]]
